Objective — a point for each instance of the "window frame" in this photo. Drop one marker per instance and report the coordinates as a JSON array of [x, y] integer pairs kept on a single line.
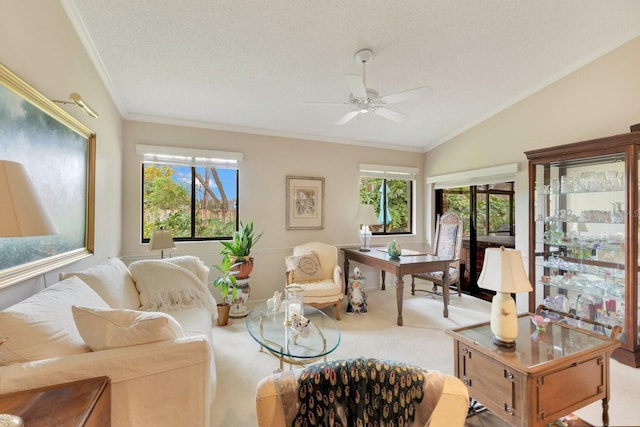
[[397, 173], [194, 159]]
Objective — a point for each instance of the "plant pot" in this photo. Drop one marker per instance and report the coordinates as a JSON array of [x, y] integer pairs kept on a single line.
[[244, 267], [223, 313]]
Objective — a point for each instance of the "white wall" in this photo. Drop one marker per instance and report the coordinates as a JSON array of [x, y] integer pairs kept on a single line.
[[267, 162], [39, 44], [598, 100]]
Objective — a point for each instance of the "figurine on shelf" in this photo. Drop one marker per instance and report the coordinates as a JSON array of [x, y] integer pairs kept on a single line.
[[274, 303], [357, 294]]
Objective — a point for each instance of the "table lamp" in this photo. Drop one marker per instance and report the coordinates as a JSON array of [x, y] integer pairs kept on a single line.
[[366, 216], [503, 272], [160, 240]]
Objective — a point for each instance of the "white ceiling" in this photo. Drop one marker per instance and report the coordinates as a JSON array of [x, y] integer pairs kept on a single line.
[[246, 65]]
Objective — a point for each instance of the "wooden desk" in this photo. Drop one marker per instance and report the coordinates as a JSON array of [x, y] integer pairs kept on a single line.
[[546, 376], [406, 264], [85, 403]]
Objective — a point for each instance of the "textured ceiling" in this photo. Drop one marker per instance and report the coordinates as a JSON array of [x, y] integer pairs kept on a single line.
[[248, 65]]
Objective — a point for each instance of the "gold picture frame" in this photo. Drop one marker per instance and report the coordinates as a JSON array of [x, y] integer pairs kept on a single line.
[[305, 203], [58, 152]]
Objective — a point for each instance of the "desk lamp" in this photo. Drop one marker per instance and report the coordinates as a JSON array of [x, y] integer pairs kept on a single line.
[[366, 216], [503, 272]]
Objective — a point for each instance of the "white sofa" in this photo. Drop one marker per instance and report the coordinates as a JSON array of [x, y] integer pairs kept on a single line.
[[161, 366]]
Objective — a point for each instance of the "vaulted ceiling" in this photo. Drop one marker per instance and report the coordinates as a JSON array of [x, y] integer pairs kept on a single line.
[[249, 65]]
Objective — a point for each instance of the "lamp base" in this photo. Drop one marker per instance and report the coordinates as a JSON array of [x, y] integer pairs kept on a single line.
[[502, 343], [364, 250], [504, 320]]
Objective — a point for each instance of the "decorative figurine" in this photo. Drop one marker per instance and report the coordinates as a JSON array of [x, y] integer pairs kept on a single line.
[[393, 249], [299, 323], [357, 294], [273, 303]]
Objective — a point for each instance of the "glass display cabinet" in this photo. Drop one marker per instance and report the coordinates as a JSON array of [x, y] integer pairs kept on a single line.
[[583, 233]]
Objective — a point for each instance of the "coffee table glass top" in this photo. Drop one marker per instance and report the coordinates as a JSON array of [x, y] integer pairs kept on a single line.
[[269, 330], [535, 347]]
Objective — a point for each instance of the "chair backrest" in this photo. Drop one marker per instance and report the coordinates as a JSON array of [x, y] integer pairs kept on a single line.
[[327, 255], [448, 236]]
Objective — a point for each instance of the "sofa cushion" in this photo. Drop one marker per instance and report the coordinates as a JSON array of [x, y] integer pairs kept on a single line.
[[42, 325], [104, 328], [193, 264], [305, 268], [112, 281], [165, 286]]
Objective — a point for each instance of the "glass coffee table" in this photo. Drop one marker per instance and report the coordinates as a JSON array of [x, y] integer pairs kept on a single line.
[[321, 337]]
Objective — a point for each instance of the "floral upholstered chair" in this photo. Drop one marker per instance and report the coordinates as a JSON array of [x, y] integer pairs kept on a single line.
[[448, 240], [314, 267]]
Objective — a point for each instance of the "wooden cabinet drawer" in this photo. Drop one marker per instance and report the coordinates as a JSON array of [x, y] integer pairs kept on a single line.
[[501, 388]]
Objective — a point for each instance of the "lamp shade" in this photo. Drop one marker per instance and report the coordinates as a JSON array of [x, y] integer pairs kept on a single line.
[[366, 215], [160, 240], [503, 271], [21, 210]]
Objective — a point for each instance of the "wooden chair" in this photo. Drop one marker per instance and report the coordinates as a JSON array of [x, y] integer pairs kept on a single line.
[[448, 243], [323, 284]]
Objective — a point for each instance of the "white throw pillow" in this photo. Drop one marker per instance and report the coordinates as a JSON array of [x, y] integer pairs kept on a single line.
[[112, 281], [42, 325], [305, 268], [103, 329]]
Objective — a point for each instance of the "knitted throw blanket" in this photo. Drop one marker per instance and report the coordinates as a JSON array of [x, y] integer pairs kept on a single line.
[[364, 392]]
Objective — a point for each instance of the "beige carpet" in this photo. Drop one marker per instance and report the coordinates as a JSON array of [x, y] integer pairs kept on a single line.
[[421, 341]]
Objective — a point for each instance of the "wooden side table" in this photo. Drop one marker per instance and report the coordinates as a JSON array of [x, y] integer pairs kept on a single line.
[[546, 376], [85, 403]]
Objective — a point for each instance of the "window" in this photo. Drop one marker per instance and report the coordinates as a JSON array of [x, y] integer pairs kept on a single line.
[[193, 193], [390, 190], [494, 207]]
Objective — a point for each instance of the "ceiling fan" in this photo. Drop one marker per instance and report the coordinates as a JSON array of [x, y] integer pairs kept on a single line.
[[363, 100]]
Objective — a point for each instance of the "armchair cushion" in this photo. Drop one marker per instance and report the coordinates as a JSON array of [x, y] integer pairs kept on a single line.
[[305, 268], [103, 328]]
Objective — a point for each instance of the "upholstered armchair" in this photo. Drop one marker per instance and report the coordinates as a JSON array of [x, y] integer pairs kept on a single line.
[[433, 398], [448, 243], [314, 267]]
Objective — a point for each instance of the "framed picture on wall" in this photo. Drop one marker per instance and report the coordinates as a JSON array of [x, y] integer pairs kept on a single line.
[[305, 203], [58, 154]]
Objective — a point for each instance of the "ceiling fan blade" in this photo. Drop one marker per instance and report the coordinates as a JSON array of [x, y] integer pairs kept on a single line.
[[389, 114], [406, 95], [356, 86], [325, 103], [347, 117]]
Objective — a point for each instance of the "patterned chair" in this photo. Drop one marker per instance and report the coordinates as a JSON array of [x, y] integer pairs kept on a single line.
[[448, 239], [314, 267], [424, 397]]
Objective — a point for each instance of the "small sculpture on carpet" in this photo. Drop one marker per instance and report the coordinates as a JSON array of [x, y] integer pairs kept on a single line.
[[357, 294]]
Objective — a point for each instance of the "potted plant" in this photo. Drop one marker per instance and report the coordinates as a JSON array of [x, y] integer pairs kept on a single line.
[[238, 249], [225, 282]]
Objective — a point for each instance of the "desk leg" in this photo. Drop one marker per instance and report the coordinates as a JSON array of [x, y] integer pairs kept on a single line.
[[384, 274], [346, 275], [399, 294], [445, 291]]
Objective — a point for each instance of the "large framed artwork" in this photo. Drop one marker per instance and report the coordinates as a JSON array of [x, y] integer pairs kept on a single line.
[[305, 203], [58, 153]]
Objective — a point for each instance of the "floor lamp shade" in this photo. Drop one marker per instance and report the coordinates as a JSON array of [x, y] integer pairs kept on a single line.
[[366, 216], [503, 272], [22, 211]]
